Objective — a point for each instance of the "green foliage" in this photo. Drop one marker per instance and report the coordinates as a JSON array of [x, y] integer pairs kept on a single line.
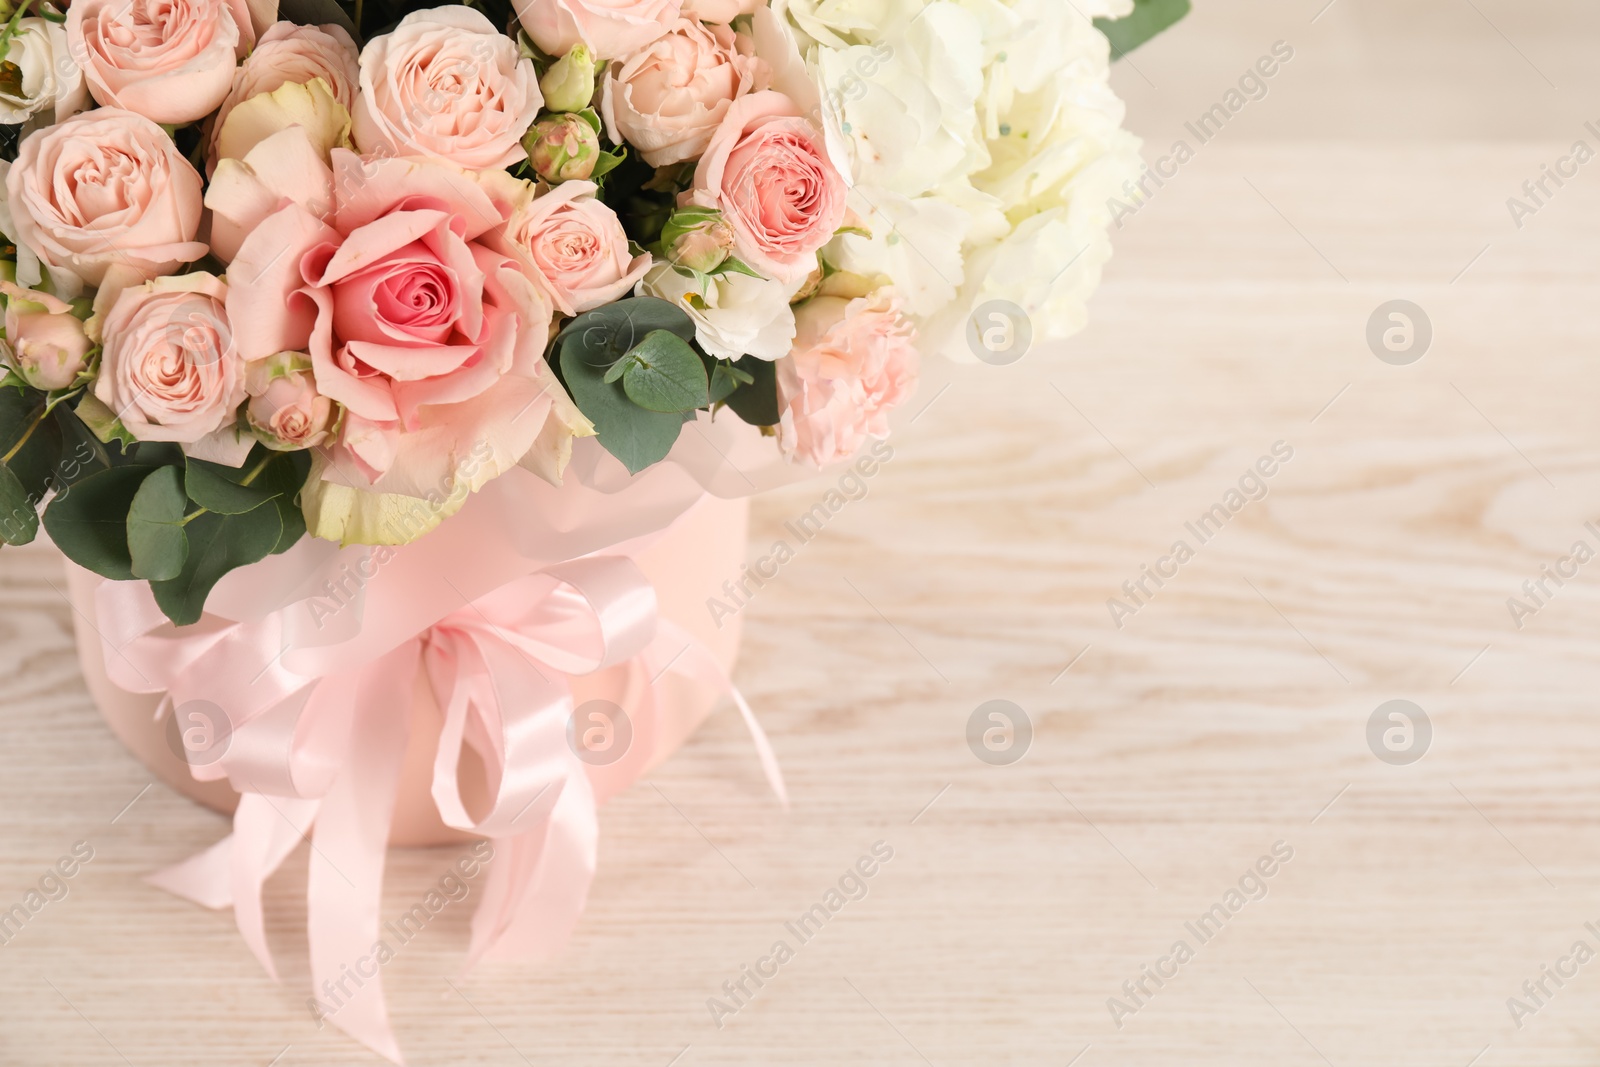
[[634, 369], [217, 545], [218, 489], [42, 447], [157, 546], [756, 401], [1148, 18], [598, 340], [180, 523], [663, 373], [90, 523], [19, 522]]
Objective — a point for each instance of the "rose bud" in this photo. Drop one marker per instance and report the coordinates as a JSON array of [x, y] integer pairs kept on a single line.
[[48, 348], [569, 83], [697, 238], [563, 148], [285, 410]]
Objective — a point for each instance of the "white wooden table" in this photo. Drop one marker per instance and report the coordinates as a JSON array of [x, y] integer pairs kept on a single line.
[[1229, 713]]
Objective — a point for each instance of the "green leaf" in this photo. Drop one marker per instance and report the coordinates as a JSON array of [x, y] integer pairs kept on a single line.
[[735, 265], [35, 460], [606, 162], [756, 401], [1149, 17], [286, 476], [149, 454], [590, 346], [82, 453], [19, 521], [610, 332], [157, 545], [217, 545], [217, 488], [90, 523], [635, 436], [665, 374], [725, 378]]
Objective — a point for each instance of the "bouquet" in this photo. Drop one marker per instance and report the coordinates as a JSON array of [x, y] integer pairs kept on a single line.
[[265, 281], [328, 275]]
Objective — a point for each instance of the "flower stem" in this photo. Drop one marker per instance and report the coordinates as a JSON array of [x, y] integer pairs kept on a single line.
[[259, 467], [34, 425]]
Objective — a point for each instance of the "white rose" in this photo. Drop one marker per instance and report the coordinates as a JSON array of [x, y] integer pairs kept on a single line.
[[42, 76], [736, 316]]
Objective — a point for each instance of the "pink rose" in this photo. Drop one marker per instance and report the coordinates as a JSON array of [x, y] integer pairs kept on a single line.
[[169, 368], [168, 60], [446, 84], [611, 28], [667, 100], [722, 11], [431, 340], [853, 362], [576, 244], [290, 54], [767, 170], [285, 410], [106, 187], [47, 344]]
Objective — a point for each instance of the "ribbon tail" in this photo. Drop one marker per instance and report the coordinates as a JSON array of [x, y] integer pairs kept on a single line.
[[345, 892], [703, 667], [204, 878], [758, 737], [539, 882], [265, 831]]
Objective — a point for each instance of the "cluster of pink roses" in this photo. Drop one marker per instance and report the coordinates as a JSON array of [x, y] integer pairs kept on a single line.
[[351, 265]]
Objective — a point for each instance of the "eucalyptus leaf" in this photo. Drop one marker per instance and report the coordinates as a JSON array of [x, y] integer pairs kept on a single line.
[[19, 521], [756, 401], [285, 476], [1148, 18], [665, 374], [725, 378], [608, 333], [90, 523], [157, 545], [217, 488], [635, 436], [82, 453], [34, 459], [217, 544]]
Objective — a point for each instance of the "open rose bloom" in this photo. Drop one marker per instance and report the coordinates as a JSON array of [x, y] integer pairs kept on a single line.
[[338, 291]]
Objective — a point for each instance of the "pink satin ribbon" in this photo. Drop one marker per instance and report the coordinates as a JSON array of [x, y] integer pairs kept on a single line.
[[319, 733]]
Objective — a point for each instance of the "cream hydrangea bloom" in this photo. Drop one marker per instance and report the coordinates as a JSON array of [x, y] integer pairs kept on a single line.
[[984, 140]]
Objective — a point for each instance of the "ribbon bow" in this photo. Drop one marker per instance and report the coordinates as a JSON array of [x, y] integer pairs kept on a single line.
[[316, 740]]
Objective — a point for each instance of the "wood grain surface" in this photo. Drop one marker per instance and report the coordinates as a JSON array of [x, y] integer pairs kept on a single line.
[[1168, 755]]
